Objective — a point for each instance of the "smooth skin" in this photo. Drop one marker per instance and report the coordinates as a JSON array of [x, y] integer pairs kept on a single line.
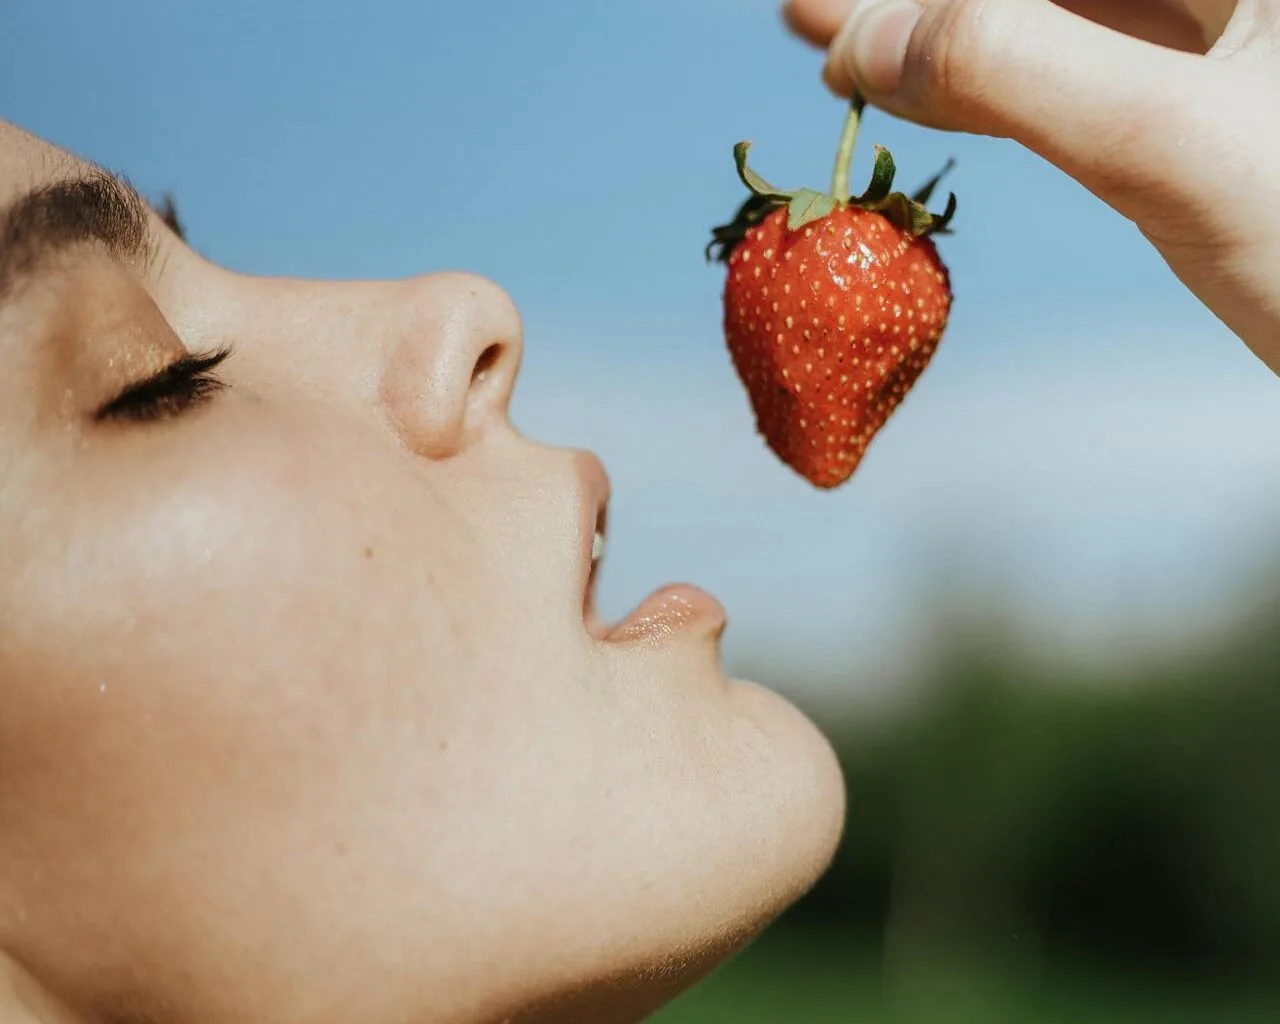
[[1162, 108], [301, 715]]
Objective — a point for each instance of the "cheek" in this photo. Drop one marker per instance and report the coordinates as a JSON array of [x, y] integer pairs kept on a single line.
[[253, 580], [249, 667], [270, 603], [232, 613]]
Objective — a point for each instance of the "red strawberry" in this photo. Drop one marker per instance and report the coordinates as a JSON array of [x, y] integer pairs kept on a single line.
[[833, 307]]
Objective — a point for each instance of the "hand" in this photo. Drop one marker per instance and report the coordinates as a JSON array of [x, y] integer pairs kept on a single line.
[[1164, 109]]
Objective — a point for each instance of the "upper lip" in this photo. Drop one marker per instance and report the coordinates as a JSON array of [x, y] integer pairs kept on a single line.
[[594, 510]]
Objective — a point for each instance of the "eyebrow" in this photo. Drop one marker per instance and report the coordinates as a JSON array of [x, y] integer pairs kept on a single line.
[[92, 207]]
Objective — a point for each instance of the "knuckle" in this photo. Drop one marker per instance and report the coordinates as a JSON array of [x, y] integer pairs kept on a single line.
[[959, 46]]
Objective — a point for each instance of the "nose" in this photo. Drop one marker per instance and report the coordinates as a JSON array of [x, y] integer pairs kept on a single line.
[[453, 362]]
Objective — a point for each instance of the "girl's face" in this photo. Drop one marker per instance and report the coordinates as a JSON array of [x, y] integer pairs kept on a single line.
[[304, 711]]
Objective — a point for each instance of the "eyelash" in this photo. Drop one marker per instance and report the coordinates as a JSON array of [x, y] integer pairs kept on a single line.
[[179, 387]]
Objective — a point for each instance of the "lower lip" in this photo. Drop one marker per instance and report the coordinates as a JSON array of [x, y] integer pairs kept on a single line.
[[672, 611]]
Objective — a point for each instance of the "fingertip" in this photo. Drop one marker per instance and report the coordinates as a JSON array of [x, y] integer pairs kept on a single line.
[[874, 44], [794, 24], [836, 77], [816, 21]]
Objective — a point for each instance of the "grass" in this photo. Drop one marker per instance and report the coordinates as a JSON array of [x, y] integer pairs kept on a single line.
[[777, 982]]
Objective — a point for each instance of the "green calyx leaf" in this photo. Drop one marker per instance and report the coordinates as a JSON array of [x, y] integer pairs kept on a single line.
[[908, 212], [806, 206], [882, 176], [727, 237], [756, 185], [925, 192], [764, 199]]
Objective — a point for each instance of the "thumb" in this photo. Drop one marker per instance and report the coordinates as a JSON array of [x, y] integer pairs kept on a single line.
[[1097, 103]]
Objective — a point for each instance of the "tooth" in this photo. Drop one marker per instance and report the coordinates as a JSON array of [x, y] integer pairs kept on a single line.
[[597, 546]]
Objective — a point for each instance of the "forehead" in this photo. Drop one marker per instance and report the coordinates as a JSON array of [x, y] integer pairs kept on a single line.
[[27, 162]]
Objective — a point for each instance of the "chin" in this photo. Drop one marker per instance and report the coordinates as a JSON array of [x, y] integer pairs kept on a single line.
[[805, 783]]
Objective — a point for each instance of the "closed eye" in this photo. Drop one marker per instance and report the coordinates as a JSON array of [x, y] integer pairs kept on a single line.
[[182, 385]]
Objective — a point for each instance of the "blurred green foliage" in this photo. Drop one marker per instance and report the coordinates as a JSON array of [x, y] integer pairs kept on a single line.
[[1036, 841]]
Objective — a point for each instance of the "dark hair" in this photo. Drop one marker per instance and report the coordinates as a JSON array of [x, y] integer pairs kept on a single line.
[[167, 211]]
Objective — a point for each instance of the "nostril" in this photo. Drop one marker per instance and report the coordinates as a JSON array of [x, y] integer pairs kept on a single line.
[[485, 363]]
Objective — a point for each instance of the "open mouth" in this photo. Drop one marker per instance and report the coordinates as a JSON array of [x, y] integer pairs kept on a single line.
[[590, 615], [671, 610], [593, 527]]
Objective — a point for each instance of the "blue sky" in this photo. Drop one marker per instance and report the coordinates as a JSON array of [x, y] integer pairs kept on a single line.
[[1089, 443]]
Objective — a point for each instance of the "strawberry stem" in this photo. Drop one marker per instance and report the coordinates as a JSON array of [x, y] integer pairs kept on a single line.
[[844, 155]]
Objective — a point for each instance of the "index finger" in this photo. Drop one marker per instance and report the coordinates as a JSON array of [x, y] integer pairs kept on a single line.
[[817, 21], [1190, 25]]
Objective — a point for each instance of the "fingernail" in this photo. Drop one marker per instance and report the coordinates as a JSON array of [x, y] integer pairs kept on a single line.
[[876, 44]]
